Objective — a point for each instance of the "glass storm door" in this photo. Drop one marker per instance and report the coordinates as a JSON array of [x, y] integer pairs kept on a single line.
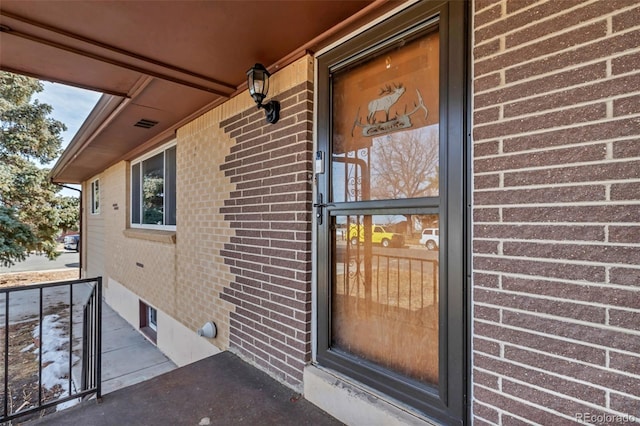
[[389, 231]]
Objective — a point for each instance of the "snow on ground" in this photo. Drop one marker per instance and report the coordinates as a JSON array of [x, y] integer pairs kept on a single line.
[[55, 356]]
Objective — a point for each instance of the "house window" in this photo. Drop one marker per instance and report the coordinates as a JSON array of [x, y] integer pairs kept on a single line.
[[148, 321], [95, 196], [153, 189]]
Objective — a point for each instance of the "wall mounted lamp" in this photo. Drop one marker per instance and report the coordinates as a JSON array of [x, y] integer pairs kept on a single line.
[[258, 83]]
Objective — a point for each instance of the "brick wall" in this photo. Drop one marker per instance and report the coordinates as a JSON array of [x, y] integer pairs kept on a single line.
[[270, 253], [556, 240], [201, 230], [243, 233]]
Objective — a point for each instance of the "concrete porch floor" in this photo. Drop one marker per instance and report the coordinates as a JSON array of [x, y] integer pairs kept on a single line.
[[127, 356], [219, 390]]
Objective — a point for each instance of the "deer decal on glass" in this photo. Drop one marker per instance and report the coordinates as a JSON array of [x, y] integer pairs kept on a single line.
[[388, 97], [383, 103]]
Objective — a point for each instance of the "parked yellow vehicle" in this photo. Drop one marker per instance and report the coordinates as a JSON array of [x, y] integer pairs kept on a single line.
[[379, 235]]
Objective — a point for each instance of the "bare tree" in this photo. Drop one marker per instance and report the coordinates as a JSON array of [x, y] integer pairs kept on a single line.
[[406, 165]]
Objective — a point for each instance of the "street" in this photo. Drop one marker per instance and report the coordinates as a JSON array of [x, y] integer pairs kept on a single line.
[[36, 262]]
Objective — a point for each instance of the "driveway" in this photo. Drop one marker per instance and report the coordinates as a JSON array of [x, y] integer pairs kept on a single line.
[[37, 262]]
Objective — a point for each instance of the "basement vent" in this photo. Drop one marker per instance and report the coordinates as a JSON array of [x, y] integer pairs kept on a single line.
[[147, 124]]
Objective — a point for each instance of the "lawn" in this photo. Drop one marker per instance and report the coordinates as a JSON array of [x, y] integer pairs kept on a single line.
[[26, 278]]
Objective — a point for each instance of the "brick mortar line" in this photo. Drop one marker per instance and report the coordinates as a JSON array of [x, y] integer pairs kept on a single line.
[[545, 390], [262, 153], [270, 133], [269, 291], [554, 72], [241, 151], [567, 320], [574, 361], [272, 301], [604, 286], [582, 24], [242, 182], [266, 131], [548, 129], [506, 15], [632, 138], [557, 109], [245, 220], [558, 184], [555, 261], [286, 288], [548, 298], [255, 331], [576, 185], [547, 224], [550, 186], [540, 112], [603, 203], [476, 416], [546, 18], [263, 342], [274, 293], [281, 359], [527, 403], [265, 156], [234, 118], [484, 404], [551, 129], [485, 8], [590, 243], [557, 166]]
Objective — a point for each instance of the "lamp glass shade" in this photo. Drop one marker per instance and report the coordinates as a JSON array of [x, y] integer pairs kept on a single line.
[[258, 82]]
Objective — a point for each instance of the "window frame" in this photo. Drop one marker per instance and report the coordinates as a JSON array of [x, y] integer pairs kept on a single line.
[[139, 161], [149, 329], [95, 196]]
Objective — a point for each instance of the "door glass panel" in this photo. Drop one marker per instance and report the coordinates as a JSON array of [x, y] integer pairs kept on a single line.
[[385, 291], [385, 140]]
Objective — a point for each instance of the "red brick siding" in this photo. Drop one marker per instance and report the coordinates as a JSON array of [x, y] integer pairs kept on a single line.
[[556, 232], [270, 253]]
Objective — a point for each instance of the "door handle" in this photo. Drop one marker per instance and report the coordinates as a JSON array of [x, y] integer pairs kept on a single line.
[[319, 206]]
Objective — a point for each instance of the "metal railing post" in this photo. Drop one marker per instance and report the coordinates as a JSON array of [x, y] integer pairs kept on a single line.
[[6, 354], [70, 383], [40, 338], [99, 342]]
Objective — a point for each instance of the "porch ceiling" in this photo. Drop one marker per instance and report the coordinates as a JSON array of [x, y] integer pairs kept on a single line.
[[163, 61]]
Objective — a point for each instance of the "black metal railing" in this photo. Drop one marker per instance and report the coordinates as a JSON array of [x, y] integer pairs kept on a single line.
[[62, 320], [91, 342], [406, 280]]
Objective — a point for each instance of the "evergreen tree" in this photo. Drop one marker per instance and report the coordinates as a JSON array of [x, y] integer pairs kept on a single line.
[[32, 213]]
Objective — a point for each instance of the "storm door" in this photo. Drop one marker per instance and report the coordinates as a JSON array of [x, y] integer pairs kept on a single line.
[[390, 210]]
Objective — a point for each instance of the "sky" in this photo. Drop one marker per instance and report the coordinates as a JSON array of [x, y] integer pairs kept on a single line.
[[70, 106]]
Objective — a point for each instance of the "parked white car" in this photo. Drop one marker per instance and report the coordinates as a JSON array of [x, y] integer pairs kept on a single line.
[[430, 238], [72, 242]]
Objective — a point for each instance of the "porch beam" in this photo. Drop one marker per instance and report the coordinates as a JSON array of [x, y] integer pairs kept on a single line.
[[185, 78]]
